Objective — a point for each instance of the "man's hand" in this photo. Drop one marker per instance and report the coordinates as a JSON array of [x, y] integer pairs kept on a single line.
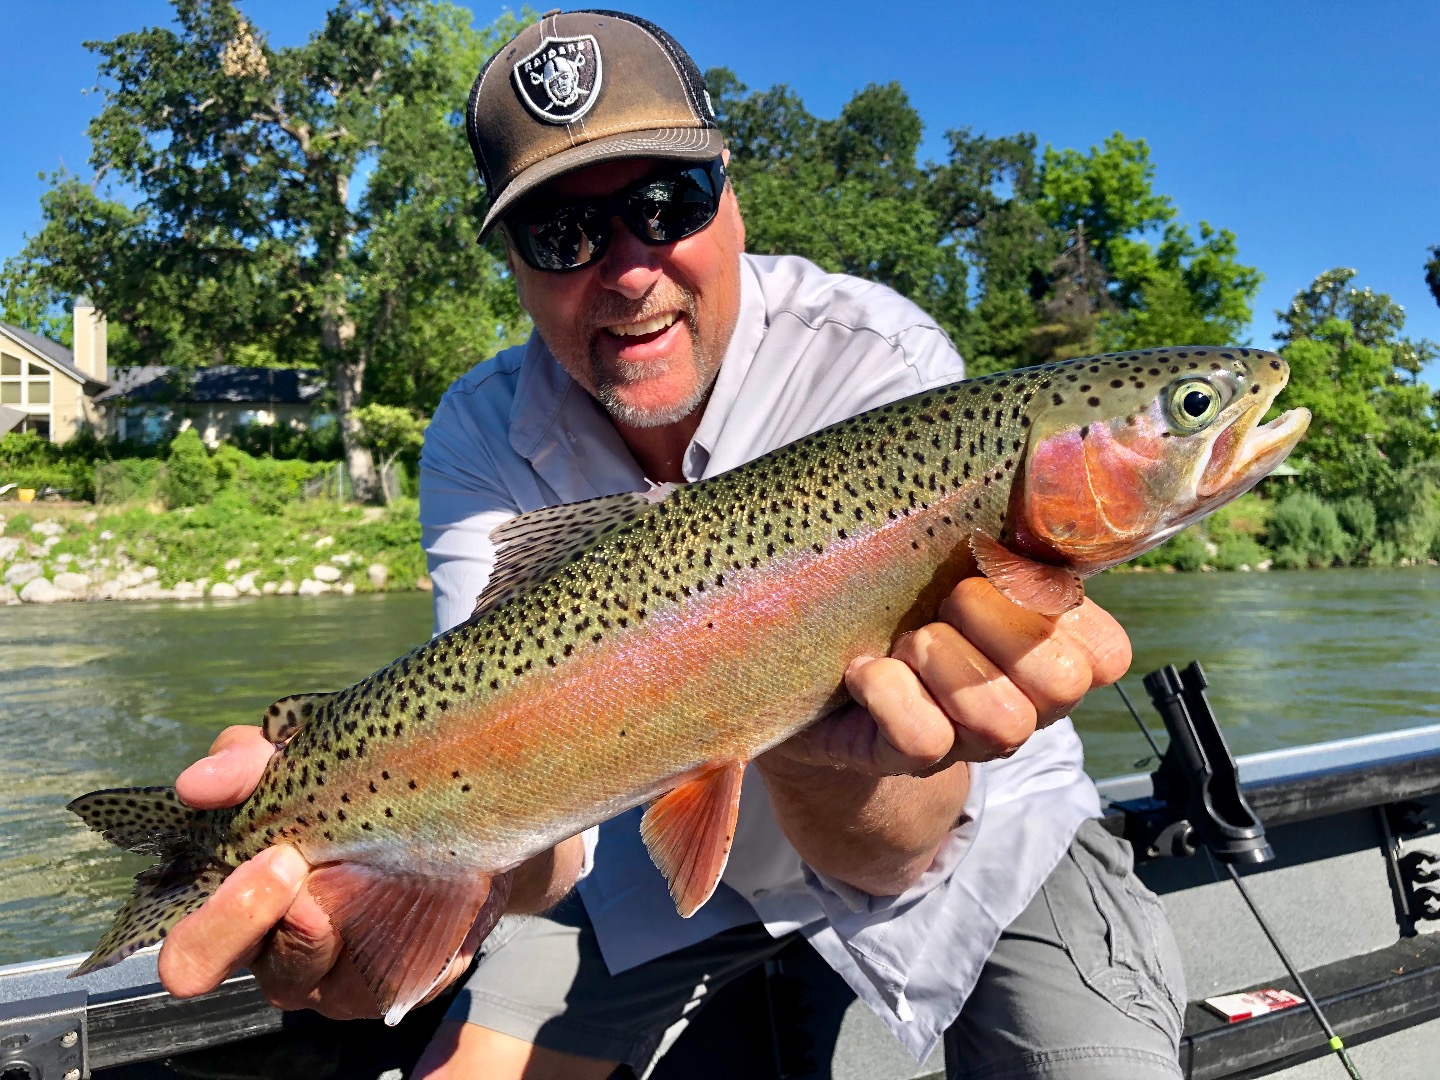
[[263, 918], [971, 686], [869, 794]]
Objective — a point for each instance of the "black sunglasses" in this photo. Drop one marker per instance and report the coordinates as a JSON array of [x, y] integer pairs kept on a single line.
[[660, 209]]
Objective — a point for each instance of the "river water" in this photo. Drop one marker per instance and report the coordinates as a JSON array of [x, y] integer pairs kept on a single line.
[[103, 695]]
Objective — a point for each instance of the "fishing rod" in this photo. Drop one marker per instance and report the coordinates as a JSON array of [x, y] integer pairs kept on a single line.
[[1199, 782]]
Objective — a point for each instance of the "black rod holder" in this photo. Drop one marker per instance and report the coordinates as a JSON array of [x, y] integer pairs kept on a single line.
[[1197, 778]]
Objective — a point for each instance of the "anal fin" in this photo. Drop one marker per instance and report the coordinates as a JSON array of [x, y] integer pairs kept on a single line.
[[688, 832], [1037, 586], [403, 930]]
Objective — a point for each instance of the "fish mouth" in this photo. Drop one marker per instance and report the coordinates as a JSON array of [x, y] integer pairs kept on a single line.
[[1245, 452]]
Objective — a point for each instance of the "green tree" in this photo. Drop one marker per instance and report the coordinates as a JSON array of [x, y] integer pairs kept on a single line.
[[313, 203], [1355, 373], [390, 431], [1181, 290]]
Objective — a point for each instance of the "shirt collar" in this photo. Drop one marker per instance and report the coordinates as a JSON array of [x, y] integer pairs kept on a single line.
[[739, 355]]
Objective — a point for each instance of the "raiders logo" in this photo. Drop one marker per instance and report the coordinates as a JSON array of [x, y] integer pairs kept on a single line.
[[560, 80]]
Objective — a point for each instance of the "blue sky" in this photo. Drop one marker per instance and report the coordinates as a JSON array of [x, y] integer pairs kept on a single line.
[[1312, 130]]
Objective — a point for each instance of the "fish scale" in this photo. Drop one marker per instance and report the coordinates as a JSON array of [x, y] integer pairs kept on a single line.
[[646, 646]]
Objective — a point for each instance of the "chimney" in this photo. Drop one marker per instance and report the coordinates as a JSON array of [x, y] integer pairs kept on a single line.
[[90, 354]]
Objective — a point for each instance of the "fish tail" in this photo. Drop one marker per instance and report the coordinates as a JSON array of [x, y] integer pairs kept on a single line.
[[151, 821]]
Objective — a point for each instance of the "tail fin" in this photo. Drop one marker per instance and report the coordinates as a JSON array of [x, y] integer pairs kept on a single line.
[[151, 821]]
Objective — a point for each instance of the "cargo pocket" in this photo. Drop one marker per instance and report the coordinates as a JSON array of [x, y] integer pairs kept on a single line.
[[1115, 931]]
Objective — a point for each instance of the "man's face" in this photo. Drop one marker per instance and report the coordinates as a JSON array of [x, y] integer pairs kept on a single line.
[[643, 328]]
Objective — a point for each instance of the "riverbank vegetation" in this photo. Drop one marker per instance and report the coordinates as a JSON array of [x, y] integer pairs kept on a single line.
[[227, 221]]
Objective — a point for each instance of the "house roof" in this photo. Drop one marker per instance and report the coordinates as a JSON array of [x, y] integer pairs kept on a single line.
[[57, 354], [226, 383]]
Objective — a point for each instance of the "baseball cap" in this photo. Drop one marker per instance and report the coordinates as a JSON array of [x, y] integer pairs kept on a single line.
[[578, 88]]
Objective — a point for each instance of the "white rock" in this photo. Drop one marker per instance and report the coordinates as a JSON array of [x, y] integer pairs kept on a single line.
[[147, 591], [325, 541], [9, 547], [7, 595], [245, 584], [1264, 564], [348, 589], [269, 588], [186, 590], [379, 573], [107, 535], [90, 517], [311, 587], [21, 572], [287, 588], [149, 574], [223, 590], [47, 528], [70, 582], [40, 591], [285, 560], [64, 558], [231, 565], [37, 551], [128, 579], [109, 590], [343, 559], [326, 573]]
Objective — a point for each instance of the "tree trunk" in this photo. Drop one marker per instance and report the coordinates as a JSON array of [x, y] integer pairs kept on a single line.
[[348, 378]]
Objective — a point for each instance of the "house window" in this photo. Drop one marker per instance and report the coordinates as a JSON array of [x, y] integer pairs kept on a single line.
[[15, 390]]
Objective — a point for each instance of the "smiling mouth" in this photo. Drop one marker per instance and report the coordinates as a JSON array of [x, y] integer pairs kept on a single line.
[[644, 328]]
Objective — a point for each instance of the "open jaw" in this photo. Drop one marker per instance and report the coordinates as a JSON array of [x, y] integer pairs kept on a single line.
[[1244, 453]]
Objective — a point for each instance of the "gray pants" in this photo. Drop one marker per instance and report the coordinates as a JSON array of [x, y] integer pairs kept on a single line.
[[1085, 984]]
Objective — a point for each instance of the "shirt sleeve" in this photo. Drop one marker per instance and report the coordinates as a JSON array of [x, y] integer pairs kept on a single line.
[[462, 500]]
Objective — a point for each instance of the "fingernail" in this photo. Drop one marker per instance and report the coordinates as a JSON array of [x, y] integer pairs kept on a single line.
[[286, 864], [858, 663]]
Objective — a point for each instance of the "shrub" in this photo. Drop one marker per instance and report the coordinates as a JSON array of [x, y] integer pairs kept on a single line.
[[125, 480], [189, 478], [1237, 551], [1184, 551], [1305, 531]]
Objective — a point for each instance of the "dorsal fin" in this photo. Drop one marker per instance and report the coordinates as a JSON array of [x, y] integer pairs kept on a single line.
[[289, 715], [531, 547]]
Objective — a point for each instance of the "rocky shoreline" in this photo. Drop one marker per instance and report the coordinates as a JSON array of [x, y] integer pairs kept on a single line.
[[32, 573]]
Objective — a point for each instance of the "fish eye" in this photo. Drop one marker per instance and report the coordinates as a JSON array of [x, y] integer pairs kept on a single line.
[[1193, 403]]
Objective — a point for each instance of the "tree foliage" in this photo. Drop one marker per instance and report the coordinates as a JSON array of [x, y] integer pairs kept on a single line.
[[1021, 259], [313, 204]]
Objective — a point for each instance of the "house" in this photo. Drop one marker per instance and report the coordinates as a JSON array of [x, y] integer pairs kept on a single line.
[[155, 402], [49, 389]]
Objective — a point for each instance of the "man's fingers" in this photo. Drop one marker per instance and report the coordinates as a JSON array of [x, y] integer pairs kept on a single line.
[[237, 760], [225, 934], [909, 731], [1044, 661], [992, 716], [1097, 632]]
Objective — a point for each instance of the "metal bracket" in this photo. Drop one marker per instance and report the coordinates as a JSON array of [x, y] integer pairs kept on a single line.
[[44, 1038]]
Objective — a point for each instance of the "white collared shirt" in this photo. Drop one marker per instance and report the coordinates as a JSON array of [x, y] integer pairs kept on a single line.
[[517, 433]]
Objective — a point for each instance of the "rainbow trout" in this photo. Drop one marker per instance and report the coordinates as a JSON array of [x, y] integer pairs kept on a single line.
[[642, 648]]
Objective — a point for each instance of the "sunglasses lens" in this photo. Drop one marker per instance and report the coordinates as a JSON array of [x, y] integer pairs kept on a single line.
[[561, 240], [674, 207], [660, 210]]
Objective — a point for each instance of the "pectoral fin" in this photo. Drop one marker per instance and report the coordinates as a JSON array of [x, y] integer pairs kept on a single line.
[[1040, 587], [403, 930], [688, 832]]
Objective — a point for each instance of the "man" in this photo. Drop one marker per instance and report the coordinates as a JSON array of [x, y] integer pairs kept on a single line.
[[935, 885]]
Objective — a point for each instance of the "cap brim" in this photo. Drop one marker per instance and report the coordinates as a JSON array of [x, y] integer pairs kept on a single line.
[[680, 144]]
